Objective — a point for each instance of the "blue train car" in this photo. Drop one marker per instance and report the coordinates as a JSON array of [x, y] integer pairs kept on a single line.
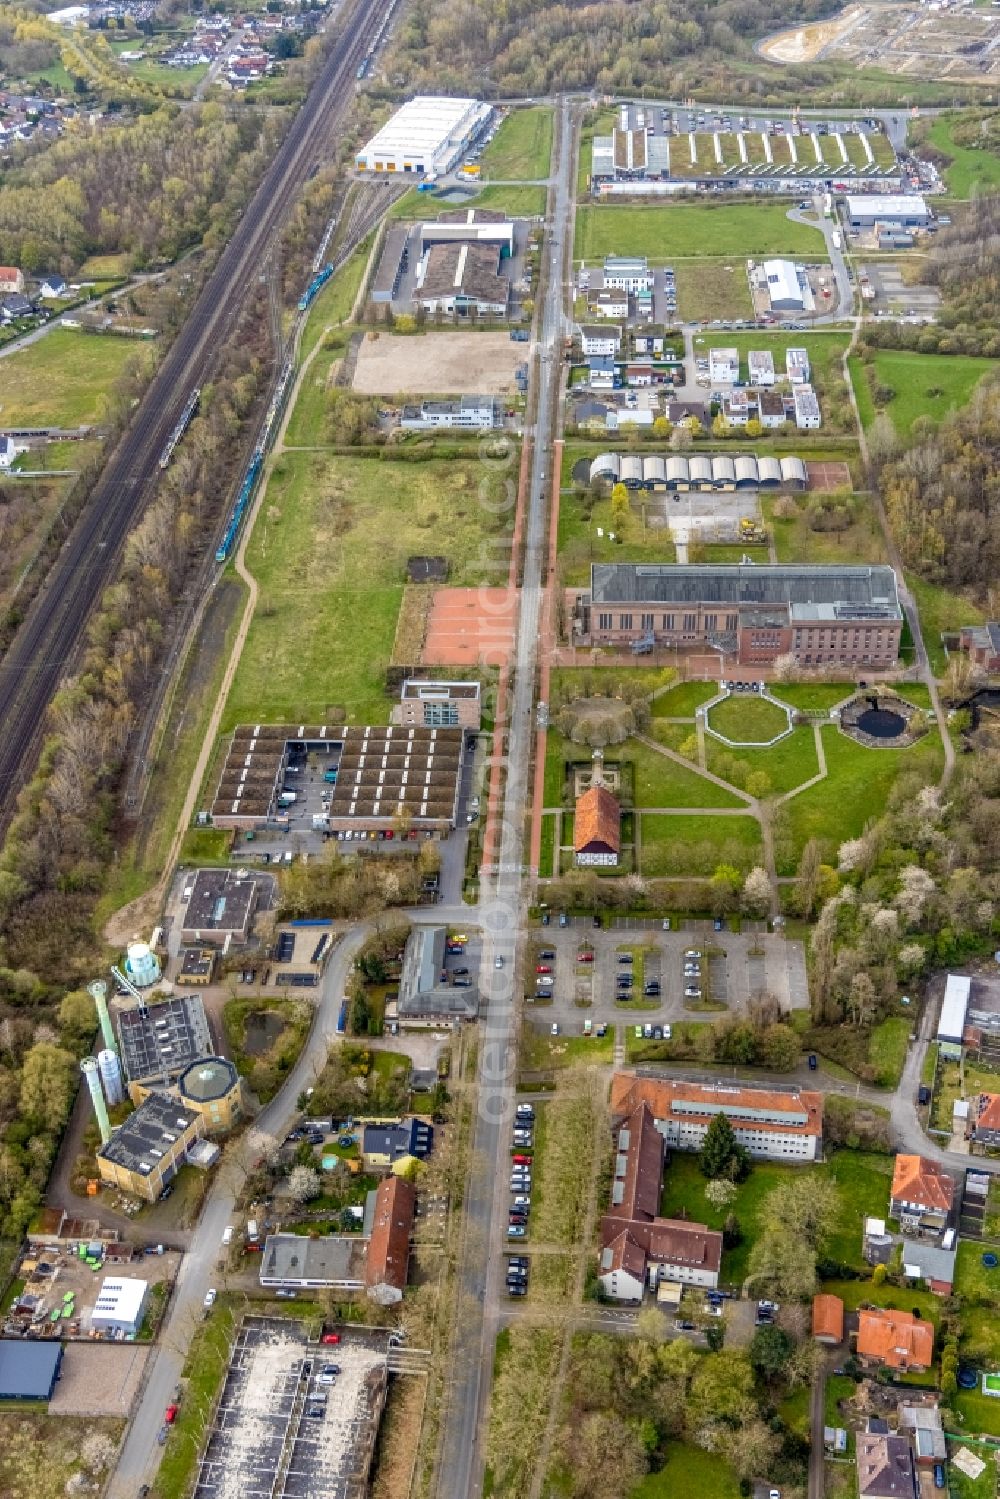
[[240, 508], [319, 280]]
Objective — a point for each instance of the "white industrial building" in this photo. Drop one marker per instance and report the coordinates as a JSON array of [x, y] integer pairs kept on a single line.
[[627, 273], [888, 210], [784, 282], [120, 1305], [428, 136]]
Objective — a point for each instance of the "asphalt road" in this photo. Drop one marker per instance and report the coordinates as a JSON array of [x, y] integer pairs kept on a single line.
[[462, 1459], [45, 647]]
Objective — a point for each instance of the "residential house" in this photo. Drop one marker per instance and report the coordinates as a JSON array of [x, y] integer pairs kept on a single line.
[[828, 1319], [738, 407], [610, 304], [807, 412], [771, 410], [8, 451], [51, 287], [389, 1144], [922, 1196], [640, 372], [14, 305], [986, 1128], [932, 1263], [598, 339], [724, 366], [688, 414], [797, 367], [896, 1339], [597, 828], [603, 374], [885, 1467], [649, 341], [11, 278], [773, 1123], [761, 366], [639, 1248], [981, 644]]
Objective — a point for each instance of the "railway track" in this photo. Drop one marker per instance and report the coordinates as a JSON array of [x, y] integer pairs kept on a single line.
[[45, 648]]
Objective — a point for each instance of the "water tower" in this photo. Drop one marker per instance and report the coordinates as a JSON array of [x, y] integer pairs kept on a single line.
[[142, 965], [90, 1071], [98, 990], [111, 1076]]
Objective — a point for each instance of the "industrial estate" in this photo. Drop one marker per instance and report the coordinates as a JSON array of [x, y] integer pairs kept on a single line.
[[500, 901]]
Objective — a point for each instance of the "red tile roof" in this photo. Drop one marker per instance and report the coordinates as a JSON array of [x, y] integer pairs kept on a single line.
[[389, 1247], [989, 1114], [641, 1143], [597, 825], [668, 1241], [916, 1179], [896, 1339], [828, 1318], [662, 1094]]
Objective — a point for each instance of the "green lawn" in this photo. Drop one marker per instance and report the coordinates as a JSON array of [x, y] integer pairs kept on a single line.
[[786, 765], [521, 151], [941, 610], [794, 1411], [329, 552], [924, 384], [692, 229], [973, 1282], [659, 781], [682, 700], [863, 1182], [838, 1387], [795, 540], [855, 789], [983, 1487], [750, 719], [813, 694], [580, 544], [970, 168], [980, 1337], [887, 1047], [709, 289], [900, 1298], [520, 202], [696, 845], [688, 1471], [981, 1413], [64, 379]]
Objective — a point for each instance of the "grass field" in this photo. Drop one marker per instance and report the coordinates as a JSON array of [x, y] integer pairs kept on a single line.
[[520, 202], [752, 719], [941, 610], [862, 1182], [813, 694], [684, 845], [521, 150], [580, 545], [969, 168], [689, 1470], [659, 781], [709, 289], [855, 789], [682, 700], [63, 380], [925, 385], [329, 551], [334, 303], [795, 540], [692, 229], [786, 765]]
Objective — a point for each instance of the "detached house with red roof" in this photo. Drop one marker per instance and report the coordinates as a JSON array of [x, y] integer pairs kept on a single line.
[[896, 1339], [597, 828], [922, 1197], [986, 1119], [639, 1248]]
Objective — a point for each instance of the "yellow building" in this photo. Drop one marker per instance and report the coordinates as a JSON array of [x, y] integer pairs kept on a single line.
[[146, 1152], [213, 1088]]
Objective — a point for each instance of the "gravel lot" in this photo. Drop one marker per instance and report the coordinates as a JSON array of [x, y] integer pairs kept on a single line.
[[437, 364], [99, 1379]]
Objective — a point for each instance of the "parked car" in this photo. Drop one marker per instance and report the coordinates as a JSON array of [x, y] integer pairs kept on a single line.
[[522, 1160], [555, 1028], [170, 1415], [813, 1061], [515, 1231], [330, 1337], [210, 1296], [939, 1475]]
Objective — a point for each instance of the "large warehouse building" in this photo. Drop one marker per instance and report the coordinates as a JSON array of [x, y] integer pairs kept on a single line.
[[822, 616], [427, 137], [889, 210]]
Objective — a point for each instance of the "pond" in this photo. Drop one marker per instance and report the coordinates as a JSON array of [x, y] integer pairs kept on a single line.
[[261, 1029], [882, 723]]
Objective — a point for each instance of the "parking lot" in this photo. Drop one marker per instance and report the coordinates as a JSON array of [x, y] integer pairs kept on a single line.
[[588, 966], [282, 1430], [892, 297]]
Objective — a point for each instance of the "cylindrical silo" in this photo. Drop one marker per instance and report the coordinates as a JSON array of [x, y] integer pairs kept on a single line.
[[111, 1076], [98, 990], [90, 1071], [142, 965]]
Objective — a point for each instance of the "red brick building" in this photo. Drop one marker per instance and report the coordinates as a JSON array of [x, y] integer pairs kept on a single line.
[[839, 616], [981, 644]]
